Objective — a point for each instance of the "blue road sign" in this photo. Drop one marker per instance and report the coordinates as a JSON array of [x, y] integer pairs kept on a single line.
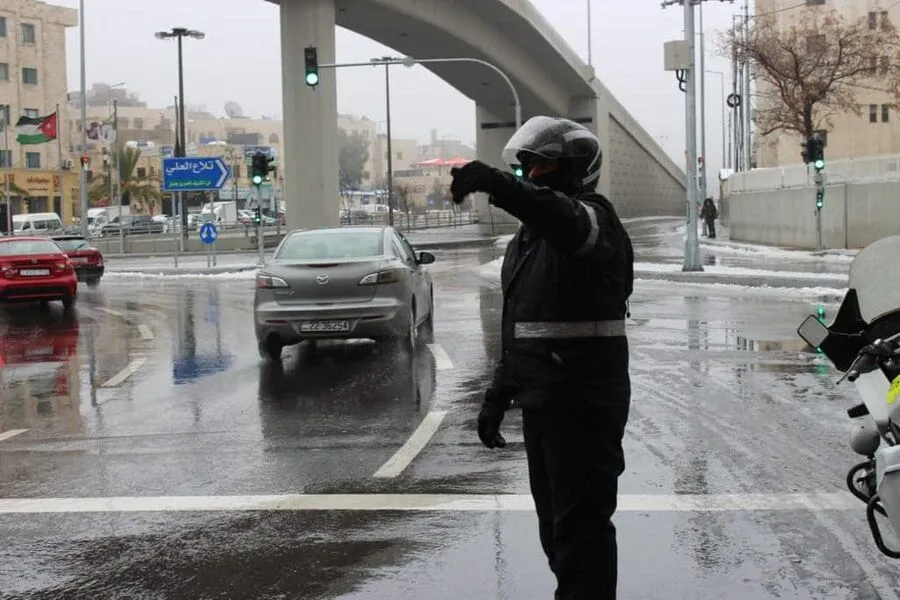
[[194, 174], [208, 233]]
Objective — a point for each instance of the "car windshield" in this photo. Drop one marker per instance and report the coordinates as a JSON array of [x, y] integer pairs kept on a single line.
[[332, 245], [73, 244], [20, 247]]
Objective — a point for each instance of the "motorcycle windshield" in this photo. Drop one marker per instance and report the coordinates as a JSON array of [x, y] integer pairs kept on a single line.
[[875, 275]]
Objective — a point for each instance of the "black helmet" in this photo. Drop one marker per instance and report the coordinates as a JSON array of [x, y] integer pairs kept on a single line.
[[573, 145]]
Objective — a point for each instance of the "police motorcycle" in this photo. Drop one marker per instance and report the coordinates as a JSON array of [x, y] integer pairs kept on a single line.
[[864, 343]]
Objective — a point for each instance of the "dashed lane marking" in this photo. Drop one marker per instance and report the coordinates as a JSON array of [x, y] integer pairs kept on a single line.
[[130, 369], [416, 442], [424, 502], [441, 358], [11, 433], [146, 332]]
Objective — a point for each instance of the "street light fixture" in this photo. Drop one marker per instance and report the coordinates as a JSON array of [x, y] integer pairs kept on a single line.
[[181, 143]]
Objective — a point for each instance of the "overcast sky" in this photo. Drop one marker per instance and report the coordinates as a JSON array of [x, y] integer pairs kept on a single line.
[[628, 41]]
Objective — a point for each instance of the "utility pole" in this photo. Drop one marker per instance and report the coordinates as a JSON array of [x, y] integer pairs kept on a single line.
[[745, 98]]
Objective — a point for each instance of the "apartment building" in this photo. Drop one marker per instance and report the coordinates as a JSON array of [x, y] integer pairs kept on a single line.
[[33, 83], [876, 130]]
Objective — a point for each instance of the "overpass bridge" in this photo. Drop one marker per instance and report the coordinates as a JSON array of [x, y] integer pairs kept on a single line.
[[639, 178]]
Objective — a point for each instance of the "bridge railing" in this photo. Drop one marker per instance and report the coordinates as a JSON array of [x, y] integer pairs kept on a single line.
[[873, 169]]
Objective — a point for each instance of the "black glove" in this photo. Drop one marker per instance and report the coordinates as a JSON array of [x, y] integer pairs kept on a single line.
[[490, 418], [476, 177]]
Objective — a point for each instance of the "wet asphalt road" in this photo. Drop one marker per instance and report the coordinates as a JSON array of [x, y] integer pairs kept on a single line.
[[725, 402]]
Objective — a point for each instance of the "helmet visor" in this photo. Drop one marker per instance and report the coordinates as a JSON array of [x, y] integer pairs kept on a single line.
[[538, 136]]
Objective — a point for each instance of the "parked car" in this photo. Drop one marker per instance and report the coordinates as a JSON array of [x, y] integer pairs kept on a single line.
[[36, 269], [86, 259], [132, 225], [342, 283]]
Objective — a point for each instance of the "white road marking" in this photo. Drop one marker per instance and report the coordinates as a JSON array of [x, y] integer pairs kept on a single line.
[[441, 358], [424, 502], [416, 442], [11, 433], [110, 311], [146, 332], [130, 369]]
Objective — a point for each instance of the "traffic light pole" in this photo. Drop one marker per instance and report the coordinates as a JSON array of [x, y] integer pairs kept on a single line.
[[260, 229]]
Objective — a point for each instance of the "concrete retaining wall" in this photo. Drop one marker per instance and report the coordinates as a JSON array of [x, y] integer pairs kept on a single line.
[[854, 215]]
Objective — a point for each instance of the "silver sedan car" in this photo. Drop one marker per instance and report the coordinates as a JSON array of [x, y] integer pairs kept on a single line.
[[342, 283]]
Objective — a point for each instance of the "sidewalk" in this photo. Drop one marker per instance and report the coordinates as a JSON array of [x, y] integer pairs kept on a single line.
[[465, 236]]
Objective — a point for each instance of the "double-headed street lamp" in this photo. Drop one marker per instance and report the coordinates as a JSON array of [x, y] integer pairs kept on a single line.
[[181, 142]]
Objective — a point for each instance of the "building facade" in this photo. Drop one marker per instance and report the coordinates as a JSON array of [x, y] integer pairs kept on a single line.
[[33, 84], [875, 131]]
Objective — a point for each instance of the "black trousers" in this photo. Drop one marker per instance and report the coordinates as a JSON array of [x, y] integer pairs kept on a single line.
[[711, 227], [574, 461]]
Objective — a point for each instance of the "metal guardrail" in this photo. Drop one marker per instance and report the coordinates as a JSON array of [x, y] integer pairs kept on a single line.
[[240, 235], [874, 169]]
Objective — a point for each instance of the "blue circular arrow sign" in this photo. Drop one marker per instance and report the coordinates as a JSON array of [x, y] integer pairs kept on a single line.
[[208, 233]]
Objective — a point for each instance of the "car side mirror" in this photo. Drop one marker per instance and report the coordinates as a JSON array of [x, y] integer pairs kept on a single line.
[[813, 331], [425, 258]]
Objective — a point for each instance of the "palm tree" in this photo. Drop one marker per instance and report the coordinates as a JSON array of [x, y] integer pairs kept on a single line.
[[14, 190], [140, 192]]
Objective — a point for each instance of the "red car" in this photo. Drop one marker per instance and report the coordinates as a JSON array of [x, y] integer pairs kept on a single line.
[[87, 260], [36, 269]]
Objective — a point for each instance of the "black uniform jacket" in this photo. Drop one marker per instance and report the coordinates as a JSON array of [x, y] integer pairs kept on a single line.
[[569, 267]]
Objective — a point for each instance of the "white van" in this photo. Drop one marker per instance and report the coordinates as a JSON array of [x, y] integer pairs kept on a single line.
[[37, 224]]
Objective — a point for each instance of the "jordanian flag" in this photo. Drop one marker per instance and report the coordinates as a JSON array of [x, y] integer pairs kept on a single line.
[[36, 130]]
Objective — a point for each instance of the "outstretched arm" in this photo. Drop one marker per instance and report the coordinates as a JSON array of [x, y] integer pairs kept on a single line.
[[571, 225]]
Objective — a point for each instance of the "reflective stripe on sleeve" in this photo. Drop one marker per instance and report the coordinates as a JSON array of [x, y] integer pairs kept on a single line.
[[593, 234], [569, 329]]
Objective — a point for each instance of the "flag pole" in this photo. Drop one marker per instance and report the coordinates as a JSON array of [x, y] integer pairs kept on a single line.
[[8, 151], [59, 156]]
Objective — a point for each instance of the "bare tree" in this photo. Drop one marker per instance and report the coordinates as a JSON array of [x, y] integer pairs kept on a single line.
[[815, 69]]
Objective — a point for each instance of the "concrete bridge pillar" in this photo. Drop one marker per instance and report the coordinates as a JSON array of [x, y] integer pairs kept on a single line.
[[491, 135], [310, 162]]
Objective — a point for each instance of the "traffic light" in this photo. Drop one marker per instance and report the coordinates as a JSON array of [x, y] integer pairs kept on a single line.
[[260, 167], [257, 216], [518, 171], [820, 199], [311, 59], [815, 152]]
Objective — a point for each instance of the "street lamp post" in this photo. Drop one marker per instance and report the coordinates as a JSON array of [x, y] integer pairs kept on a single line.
[[181, 142], [387, 61], [411, 62], [83, 178]]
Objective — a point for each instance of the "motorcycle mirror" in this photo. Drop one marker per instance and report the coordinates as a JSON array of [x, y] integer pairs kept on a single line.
[[813, 331]]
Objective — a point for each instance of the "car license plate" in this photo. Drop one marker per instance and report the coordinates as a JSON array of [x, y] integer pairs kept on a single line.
[[80, 259], [35, 272], [324, 326]]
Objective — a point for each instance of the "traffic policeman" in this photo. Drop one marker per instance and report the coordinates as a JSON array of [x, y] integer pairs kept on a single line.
[[566, 279]]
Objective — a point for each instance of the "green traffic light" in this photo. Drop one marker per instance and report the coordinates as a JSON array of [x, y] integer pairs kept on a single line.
[[257, 180], [312, 79], [819, 164], [820, 311], [819, 204]]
